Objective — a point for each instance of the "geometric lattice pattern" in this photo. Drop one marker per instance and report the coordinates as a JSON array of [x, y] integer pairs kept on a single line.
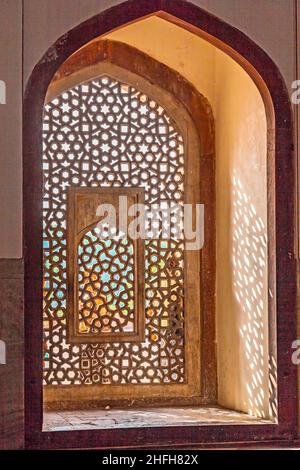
[[104, 133], [105, 284]]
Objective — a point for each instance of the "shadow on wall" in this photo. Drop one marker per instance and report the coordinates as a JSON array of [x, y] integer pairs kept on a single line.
[[249, 277]]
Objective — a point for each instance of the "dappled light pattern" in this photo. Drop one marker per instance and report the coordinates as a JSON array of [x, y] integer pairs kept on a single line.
[[273, 401], [249, 280]]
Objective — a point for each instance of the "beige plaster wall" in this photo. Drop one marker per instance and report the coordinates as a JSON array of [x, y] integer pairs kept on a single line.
[[241, 204], [191, 56], [242, 276]]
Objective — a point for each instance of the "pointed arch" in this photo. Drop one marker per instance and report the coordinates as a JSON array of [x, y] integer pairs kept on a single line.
[[281, 192]]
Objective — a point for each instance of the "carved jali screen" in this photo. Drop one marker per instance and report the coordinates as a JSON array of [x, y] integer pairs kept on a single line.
[[105, 300], [106, 134], [106, 288]]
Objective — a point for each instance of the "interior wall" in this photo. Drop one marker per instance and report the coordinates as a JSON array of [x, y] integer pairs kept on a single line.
[[190, 55], [11, 129], [241, 200], [242, 274], [11, 271]]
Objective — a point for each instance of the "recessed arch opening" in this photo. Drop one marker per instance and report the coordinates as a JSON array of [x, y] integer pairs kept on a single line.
[[250, 335]]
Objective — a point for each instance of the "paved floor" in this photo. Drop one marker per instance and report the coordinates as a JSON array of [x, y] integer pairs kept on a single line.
[[146, 417]]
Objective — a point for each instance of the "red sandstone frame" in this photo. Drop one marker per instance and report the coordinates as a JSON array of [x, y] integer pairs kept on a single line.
[[281, 197]]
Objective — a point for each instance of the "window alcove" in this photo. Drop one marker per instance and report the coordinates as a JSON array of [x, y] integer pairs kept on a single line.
[[112, 133], [230, 332]]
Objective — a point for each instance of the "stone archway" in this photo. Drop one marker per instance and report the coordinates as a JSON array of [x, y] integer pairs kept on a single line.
[[281, 217]]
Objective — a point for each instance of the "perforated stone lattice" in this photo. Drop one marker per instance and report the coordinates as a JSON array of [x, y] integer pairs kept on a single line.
[[104, 133], [106, 284]]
